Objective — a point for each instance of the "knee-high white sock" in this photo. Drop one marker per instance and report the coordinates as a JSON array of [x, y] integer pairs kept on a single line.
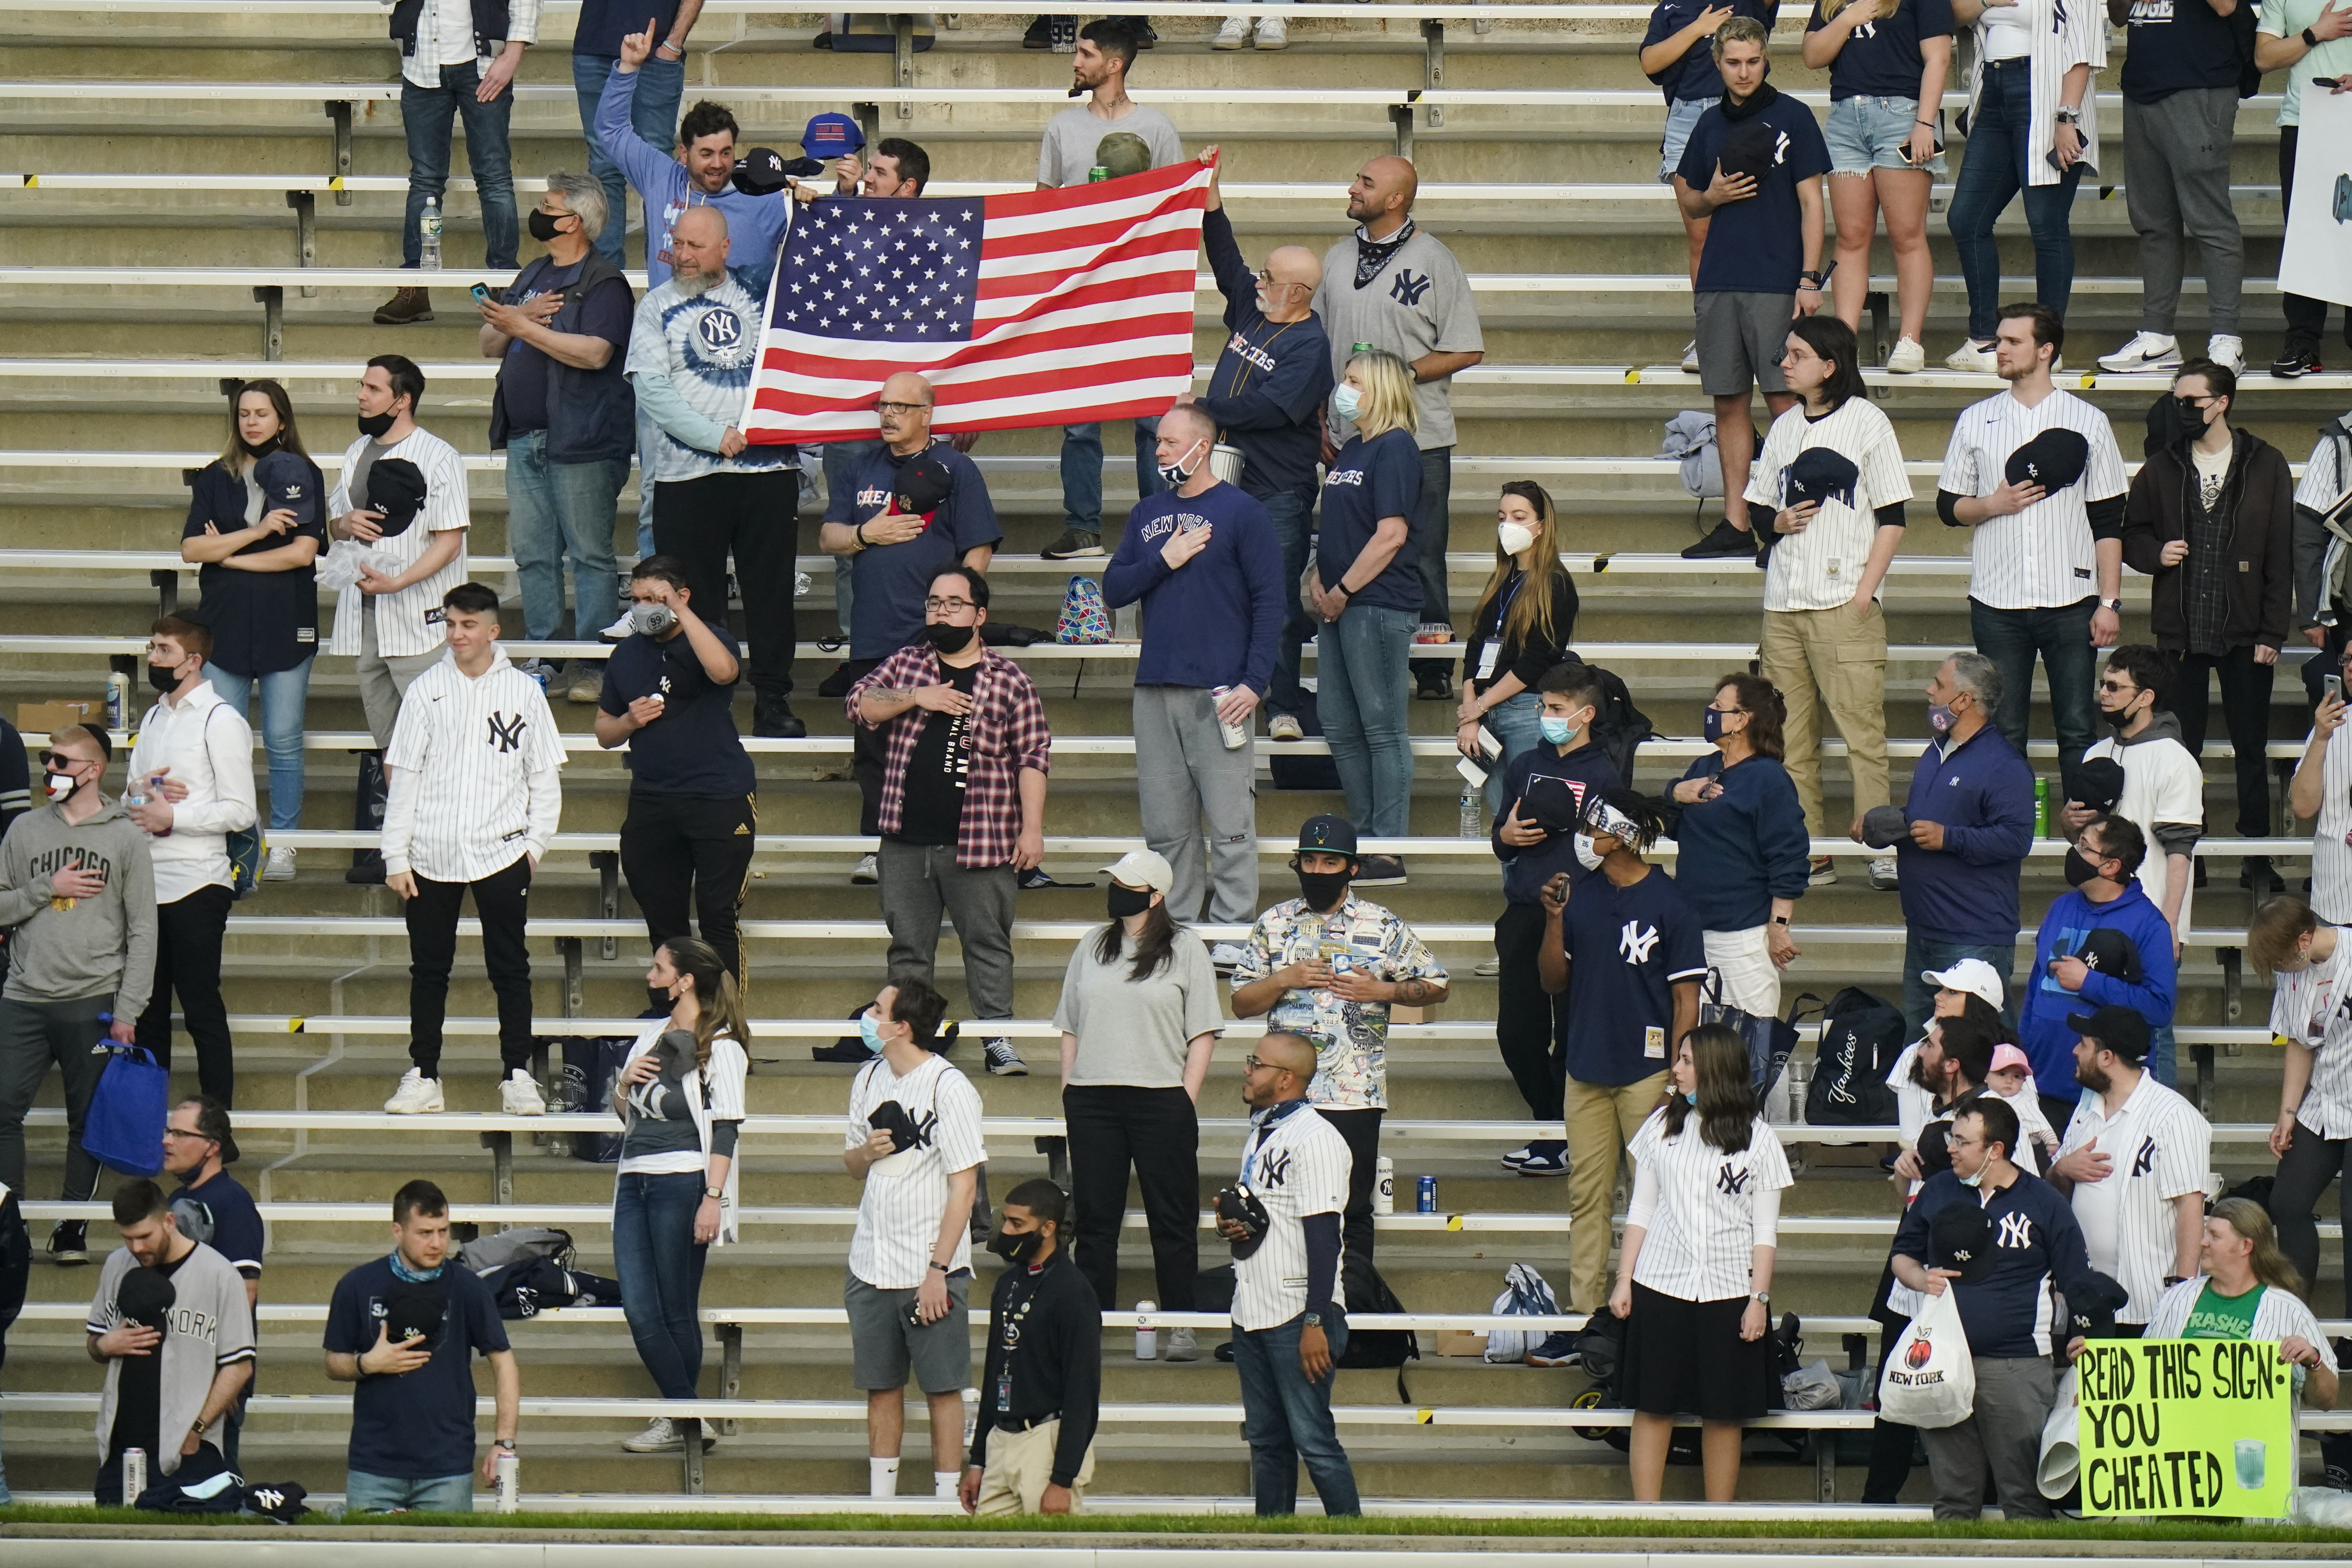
[[944, 1483], [881, 1478]]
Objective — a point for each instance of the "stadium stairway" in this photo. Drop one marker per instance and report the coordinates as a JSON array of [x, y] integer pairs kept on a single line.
[[132, 368]]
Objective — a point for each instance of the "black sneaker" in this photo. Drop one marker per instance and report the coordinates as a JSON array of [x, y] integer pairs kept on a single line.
[[2257, 874], [773, 717], [1725, 540], [1432, 682], [842, 1051], [1075, 542], [1145, 36], [2296, 359], [367, 869], [1002, 1060], [1559, 1349], [1381, 871], [70, 1243], [835, 685]]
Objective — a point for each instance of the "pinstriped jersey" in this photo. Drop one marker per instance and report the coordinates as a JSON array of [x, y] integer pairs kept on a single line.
[[1701, 1235], [2041, 557], [2309, 1008], [1298, 1165], [2160, 1149]]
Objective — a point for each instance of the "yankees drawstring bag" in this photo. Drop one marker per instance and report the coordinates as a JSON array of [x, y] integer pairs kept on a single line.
[[1526, 1294], [1930, 1380]]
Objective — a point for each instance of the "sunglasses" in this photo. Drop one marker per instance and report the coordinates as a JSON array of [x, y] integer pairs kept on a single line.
[[58, 762]]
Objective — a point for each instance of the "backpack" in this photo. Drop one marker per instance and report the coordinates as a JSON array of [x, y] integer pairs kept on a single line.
[[1618, 727], [531, 1285], [1861, 1035], [1083, 619], [1601, 1352], [516, 1244], [590, 1068], [1379, 1347], [1303, 770]]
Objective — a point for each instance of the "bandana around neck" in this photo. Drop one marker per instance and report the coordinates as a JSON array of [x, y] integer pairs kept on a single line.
[[1372, 255]]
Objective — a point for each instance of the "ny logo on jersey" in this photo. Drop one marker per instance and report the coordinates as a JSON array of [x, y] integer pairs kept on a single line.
[[1272, 1167], [1867, 30], [506, 732], [1781, 149], [1732, 1182], [2016, 1232], [2145, 1161], [1408, 288], [1634, 943]]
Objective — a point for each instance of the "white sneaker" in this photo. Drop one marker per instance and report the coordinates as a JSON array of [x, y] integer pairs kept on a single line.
[[1489, 969], [1690, 357], [1285, 727], [2147, 351], [519, 1096], [416, 1096], [1517, 1157], [1907, 358], [1273, 33], [1181, 1346], [661, 1436], [280, 868], [1226, 955], [2227, 352], [1232, 34], [1972, 356], [620, 630], [866, 872], [1883, 875]]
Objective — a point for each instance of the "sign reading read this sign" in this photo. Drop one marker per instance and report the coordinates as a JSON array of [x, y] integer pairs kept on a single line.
[[2186, 1427]]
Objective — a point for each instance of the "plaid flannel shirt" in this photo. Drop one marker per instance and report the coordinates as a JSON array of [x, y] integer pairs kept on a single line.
[[1007, 734]]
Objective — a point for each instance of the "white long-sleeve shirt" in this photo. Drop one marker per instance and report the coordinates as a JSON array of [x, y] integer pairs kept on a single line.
[[473, 783], [209, 746]]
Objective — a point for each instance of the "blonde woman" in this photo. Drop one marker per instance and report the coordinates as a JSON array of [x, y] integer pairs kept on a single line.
[[2246, 1290], [1366, 589], [1526, 616], [679, 1095]]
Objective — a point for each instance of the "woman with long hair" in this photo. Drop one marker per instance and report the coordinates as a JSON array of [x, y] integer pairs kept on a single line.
[[679, 1095], [1740, 833], [2246, 1290], [260, 594], [1695, 1283], [1366, 589], [1526, 616], [2307, 964], [1138, 1018]]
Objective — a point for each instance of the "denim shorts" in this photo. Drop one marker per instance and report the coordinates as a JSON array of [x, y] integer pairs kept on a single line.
[[1681, 115], [1867, 133]]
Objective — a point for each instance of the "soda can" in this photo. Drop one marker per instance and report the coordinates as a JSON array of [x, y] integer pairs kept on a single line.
[[134, 1475], [1385, 1192], [1426, 1195], [1097, 173], [509, 1481], [2042, 808], [1147, 1337]]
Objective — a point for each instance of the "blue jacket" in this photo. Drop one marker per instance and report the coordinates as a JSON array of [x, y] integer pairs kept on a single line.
[[1966, 892], [1211, 622], [1737, 853], [2007, 1315], [1270, 383], [2041, 1013], [755, 225], [1585, 771]]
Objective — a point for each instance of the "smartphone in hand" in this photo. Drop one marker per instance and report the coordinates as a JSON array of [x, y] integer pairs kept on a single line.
[[482, 293]]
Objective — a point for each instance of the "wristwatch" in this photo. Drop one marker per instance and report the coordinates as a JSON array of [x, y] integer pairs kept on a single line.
[[2069, 116], [714, 1192], [2172, 1279], [506, 1443], [1762, 1298], [196, 1427], [2115, 604], [940, 1266], [1314, 1319]]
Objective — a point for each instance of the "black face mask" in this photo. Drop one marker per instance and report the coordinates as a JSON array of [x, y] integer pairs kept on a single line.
[[162, 677], [948, 638], [1323, 889], [2080, 868], [2192, 415], [262, 450], [1126, 902], [375, 426], [542, 225], [1017, 1251], [2119, 717]]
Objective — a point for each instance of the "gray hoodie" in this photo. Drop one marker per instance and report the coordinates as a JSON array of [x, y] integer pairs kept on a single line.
[[63, 950]]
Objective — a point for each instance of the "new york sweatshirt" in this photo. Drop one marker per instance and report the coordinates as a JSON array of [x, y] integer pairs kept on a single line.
[[63, 950]]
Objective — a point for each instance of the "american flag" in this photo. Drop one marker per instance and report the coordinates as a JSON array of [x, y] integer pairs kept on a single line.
[[1040, 308]]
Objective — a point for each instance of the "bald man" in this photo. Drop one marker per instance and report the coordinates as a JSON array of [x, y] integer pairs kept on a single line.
[[1389, 286], [1267, 395], [691, 355]]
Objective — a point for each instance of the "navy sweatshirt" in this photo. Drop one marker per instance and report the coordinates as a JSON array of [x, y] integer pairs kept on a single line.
[[1270, 384], [2007, 1314], [1737, 853], [1982, 793], [2041, 1013], [1583, 773], [1211, 622]]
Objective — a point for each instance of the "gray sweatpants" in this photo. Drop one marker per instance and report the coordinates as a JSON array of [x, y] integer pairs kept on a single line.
[[2177, 183], [33, 1034], [919, 881], [1186, 776], [2002, 1438], [384, 682]]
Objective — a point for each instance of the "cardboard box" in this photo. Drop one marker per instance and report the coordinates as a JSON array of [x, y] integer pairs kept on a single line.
[[40, 718], [1460, 1341], [1400, 1013]]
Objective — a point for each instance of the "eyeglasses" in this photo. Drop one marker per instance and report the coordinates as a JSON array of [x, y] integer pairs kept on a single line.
[[185, 1132], [1250, 1064], [948, 607], [881, 407]]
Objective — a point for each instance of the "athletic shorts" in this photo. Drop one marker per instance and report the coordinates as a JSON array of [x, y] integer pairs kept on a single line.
[[885, 1348], [1741, 338]]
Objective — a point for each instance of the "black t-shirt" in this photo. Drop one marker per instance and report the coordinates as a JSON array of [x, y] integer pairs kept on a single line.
[[2178, 46], [138, 1397], [933, 808], [693, 751], [603, 24], [1881, 58], [609, 313]]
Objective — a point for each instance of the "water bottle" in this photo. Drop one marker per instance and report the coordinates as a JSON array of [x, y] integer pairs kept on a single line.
[[1471, 827], [2042, 808], [134, 791], [428, 236], [118, 700], [1147, 1338]]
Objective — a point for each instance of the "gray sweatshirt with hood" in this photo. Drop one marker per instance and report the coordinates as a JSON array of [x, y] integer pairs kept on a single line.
[[65, 950]]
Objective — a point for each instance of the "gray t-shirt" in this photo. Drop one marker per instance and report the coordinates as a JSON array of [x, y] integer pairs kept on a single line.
[[356, 485], [209, 1326], [1418, 304], [1068, 152], [1135, 1033]]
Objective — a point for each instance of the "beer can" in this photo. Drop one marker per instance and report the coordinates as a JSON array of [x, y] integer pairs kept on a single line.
[[1236, 736], [1426, 1195], [134, 1475], [509, 1481], [1147, 1337], [1385, 1192], [1097, 172], [1360, 348], [2042, 808]]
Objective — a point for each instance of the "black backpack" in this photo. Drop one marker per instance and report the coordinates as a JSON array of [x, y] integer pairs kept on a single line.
[[1861, 1038], [1379, 1347], [1303, 770], [1618, 727]]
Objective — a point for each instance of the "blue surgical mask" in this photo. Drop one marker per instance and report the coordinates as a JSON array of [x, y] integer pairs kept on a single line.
[[870, 1031], [1711, 722], [1975, 1181], [1346, 400], [1690, 1099], [1558, 732]]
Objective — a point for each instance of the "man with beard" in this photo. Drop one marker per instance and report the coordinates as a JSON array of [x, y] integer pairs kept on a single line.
[[2103, 945]]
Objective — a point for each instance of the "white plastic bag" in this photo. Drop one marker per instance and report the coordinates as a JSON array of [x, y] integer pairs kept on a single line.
[[339, 568], [1526, 1293], [1931, 1380]]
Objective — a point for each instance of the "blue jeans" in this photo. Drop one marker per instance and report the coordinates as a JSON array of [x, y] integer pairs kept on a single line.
[[1993, 172], [1922, 954], [283, 695], [555, 510], [1517, 722], [426, 112], [1431, 525], [2063, 637], [661, 1275], [2162, 1058], [841, 459], [1285, 1418], [363, 1493], [1292, 512], [653, 112], [1082, 469], [1360, 696]]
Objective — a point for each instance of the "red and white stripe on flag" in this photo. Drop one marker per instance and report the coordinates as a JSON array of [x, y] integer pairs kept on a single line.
[[1080, 308]]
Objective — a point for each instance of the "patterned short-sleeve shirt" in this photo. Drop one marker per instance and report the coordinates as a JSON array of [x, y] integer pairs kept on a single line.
[[1351, 1072]]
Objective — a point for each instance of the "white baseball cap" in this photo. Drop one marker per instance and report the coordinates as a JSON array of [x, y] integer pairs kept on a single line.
[[1144, 868], [1973, 975]]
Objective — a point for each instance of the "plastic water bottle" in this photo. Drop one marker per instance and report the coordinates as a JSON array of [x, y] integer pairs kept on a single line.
[[1472, 825], [118, 700], [1147, 1338], [428, 236]]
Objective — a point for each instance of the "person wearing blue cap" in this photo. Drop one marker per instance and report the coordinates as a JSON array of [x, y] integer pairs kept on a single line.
[[653, 106]]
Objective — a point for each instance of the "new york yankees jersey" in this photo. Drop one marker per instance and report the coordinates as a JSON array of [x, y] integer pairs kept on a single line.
[[2042, 557], [1819, 567], [906, 1194], [1702, 1224], [473, 762], [1417, 303], [2161, 1149], [407, 622], [2308, 1009], [1298, 1165], [2331, 835]]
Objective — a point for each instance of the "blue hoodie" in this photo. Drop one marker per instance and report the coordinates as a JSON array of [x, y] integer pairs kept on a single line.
[[2041, 1015], [1583, 773], [1737, 853], [1982, 793], [755, 225]]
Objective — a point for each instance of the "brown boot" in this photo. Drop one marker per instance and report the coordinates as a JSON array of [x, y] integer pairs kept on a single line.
[[406, 306]]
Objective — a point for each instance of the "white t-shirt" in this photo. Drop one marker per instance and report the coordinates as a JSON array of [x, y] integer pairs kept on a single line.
[[2007, 36], [1298, 1165], [2160, 1149], [905, 1196], [2306, 1009], [1819, 568], [1707, 1211], [2042, 557], [2164, 786]]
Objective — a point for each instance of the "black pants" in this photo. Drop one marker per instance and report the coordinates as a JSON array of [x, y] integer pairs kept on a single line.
[[682, 855], [2309, 1164], [188, 933], [869, 753], [1891, 1442], [1157, 1132], [2306, 319], [2246, 709], [502, 900], [1529, 1027], [757, 517], [1361, 1129]]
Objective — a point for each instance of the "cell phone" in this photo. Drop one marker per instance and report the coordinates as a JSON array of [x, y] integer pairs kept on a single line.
[[2333, 686], [2326, 81], [482, 293]]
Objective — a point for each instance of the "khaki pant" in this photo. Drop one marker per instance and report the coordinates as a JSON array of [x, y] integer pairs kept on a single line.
[[1020, 1466], [1601, 1120], [1828, 659]]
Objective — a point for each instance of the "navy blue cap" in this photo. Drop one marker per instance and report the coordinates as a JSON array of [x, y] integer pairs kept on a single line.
[[289, 483]]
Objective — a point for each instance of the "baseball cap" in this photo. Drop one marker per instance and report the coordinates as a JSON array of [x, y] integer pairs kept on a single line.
[[1819, 474], [414, 1312], [1123, 153], [2053, 460], [924, 481], [1328, 832], [396, 489], [2099, 782], [144, 1298], [1751, 147], [2007, 1055], [831, 135], [1962, 1237], [760, 172], [1143, 868], [1883, 827], [2119, 1029], [288, 483], [2111, 953], [1973, 975]]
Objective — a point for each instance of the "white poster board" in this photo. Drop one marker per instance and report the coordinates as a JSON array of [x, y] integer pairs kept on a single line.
[[2316, 261]]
